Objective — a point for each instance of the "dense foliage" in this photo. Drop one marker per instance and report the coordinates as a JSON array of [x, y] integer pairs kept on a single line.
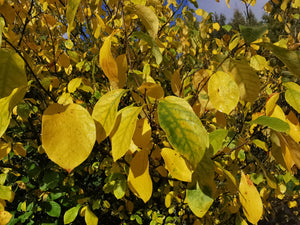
[[134, 112]]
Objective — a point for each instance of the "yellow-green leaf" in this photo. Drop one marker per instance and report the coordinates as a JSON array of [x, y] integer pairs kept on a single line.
[[176, 165], [12, 72], [105, 113], [71, 214], [6, 193], [139, 180], [198, 201], [148, 18], [74, 84], [72, 7], [124, 129], [107, 61], [250, 200], [223, 92], [68, 134], [7, 104], [89, 217], [292, 95], [258, 62], [183, 128]]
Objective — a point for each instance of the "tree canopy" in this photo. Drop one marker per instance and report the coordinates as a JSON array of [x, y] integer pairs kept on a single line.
[[134, 112]]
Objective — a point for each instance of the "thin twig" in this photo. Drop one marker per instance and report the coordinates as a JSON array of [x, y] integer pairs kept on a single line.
[[25, 24]]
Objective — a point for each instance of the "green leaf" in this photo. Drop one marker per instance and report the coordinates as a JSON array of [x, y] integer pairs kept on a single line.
[[12, 72], [290, 58], [227, 27], [216, 139], [292, 95], [53, 209], [183, 128], [154, 47], [272, 122], [252, 33], [105, 113], [198, 202], [223, 92], [72, 7], [124, 130], [71, 214], [50, 180]]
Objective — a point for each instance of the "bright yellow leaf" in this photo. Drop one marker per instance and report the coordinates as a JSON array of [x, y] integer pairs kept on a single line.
[[271, 103], [123, 132], [89, 217], [74, 84], [105, 113], [5, 217], [68, 134], [139, 180], [223, 92], [250, 199], [6, 193], [227, 3], [176, 165], [107, 61]]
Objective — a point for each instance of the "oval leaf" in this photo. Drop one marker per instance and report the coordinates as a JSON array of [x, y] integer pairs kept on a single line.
[[71, 214], [250, 199], [273, 123], [139, 180], [183, 128], [292, 95], [90, 217], [223, 92], [68, 134], [125, 126], [105, 113], [176, 165]]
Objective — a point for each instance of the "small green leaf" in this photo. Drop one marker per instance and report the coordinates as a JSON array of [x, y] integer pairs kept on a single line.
[[272, 122], [216, 139], [252, 33], [53, 209], [183, 128], [71, 214]]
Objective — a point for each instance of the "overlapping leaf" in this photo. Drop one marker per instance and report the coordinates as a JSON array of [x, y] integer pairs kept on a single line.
[[105, 113], [68, 134], [123, 132], [183, 128], [139, 179], [72, 7], [292, 95]]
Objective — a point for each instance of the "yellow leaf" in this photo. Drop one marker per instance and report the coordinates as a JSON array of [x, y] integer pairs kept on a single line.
[[105, 113], [107, 61], [64, 60], [5, 148], [227, 3], [284, 4], [168, 199], [216, 26], [123, 132], [5, 217], [89, 217], [69, 44], [271, 103], [258, 62], [122, 70], [250, 199], [176, 165], [72, 7], [19, 149], [74, 84], [6, 193], [176, 82], [65, 99], [100, 26], [152, 90], [142, 133], [2, 204], [268, 7], [139, 180], [293, 122], [223, 92], [148, 18], [68, 134]]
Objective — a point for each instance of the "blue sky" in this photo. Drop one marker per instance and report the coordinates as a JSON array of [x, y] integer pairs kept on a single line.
[[221, 7]]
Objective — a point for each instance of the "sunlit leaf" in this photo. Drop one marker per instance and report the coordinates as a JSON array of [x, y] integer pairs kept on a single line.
[[107, 61], [252, 33], [6, 193], [223, 92], [258, 62], [5, 217], [71, 214], [142, 133], [147, 17], [74, 84], [183, 128], [89, 217], [68, 134], [105, 113], [124, 130], [272, 122], [292, 95], [176, 165], [250, 200], [271, 103], [72, 7], [198, 201], [139, 179]]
